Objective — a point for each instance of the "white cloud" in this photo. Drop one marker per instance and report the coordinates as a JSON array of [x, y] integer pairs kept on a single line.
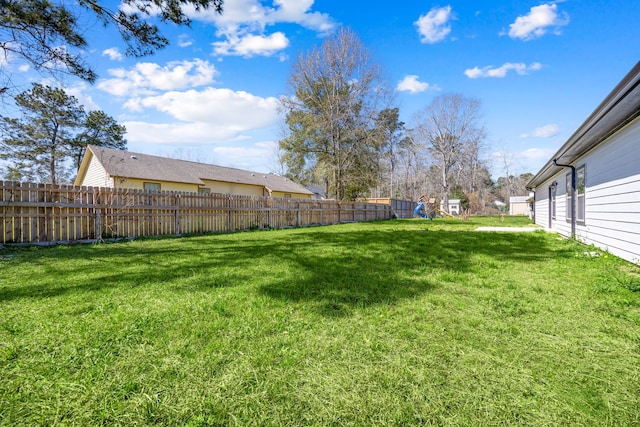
[[80, 91], [538, 22], [536, 155], [252, 14], [411, 84], [529, 160], [184, 40], [146, 78], [259, 150], [250, 157], [176, 133], [545, 131], [251, 45], [242, 25], [433, 27], [200, 117], [227, 108], [113, 53], [8, 59], [297, 12], [500, 72]]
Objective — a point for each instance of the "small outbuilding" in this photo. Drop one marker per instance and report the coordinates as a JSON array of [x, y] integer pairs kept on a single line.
[[106, 167], [519, 205], [454, 208], [590, 188]]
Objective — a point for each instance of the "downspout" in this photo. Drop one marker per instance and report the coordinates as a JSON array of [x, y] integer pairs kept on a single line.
[[573, 196]]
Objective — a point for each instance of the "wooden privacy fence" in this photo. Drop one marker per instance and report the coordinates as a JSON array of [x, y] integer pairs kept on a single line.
[[41, 213], [399, 208]]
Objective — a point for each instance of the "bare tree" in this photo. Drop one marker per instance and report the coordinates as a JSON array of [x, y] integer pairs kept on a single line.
[[390, 132], [450, 131], [336, 93]]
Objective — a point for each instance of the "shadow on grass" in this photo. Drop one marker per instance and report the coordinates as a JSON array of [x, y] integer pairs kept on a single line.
[[335, 269], [383, 267]]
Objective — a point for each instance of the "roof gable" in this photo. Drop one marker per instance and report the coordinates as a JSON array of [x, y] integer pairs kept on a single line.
[[126, 164]]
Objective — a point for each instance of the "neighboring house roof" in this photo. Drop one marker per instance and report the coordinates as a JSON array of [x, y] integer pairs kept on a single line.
[[518, 199], [127, 164], [316, 190], [618, 109]]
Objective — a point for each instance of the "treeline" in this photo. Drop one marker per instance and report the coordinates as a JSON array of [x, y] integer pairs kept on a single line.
[[344, 134]]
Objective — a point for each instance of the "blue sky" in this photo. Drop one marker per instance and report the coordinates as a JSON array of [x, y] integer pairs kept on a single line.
[[539, 68]]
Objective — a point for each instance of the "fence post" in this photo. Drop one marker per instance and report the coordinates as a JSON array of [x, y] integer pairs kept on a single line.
[[177, 213], [97, 199], [98, 231], [230, 213]]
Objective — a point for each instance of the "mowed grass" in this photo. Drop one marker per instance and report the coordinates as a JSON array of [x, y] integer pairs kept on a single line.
[[405, 322]]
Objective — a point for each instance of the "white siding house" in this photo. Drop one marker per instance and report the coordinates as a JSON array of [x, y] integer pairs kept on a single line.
[[454, 208], [591, 187]]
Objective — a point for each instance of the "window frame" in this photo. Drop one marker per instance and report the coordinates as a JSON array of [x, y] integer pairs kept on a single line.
[[145, 186], [553, 190], [569, 206], [581, 189]]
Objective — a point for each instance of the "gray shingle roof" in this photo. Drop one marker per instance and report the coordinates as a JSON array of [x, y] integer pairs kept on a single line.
[[143, 166]]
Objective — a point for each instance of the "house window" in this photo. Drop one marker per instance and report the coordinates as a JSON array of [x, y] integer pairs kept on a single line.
[[151, 186], [552, 196], [569, 204], [580, 190], [204, 191], [287, 196]]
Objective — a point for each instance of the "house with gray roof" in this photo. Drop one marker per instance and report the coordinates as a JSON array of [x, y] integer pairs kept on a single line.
[[590, 188], [106, 167]]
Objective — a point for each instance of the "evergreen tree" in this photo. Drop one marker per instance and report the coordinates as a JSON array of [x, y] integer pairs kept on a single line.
[[50, 34], [53, 130]]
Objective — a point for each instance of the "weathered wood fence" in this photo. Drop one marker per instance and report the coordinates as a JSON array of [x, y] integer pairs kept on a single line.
[[42, 213], [399, 208]]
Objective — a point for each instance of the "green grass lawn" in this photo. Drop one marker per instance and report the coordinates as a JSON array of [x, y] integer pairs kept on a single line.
[[405, 322]]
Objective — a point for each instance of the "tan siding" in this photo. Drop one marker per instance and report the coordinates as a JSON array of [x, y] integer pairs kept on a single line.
[[138, 184], [234, 188], [519, 208], [293, 195]]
